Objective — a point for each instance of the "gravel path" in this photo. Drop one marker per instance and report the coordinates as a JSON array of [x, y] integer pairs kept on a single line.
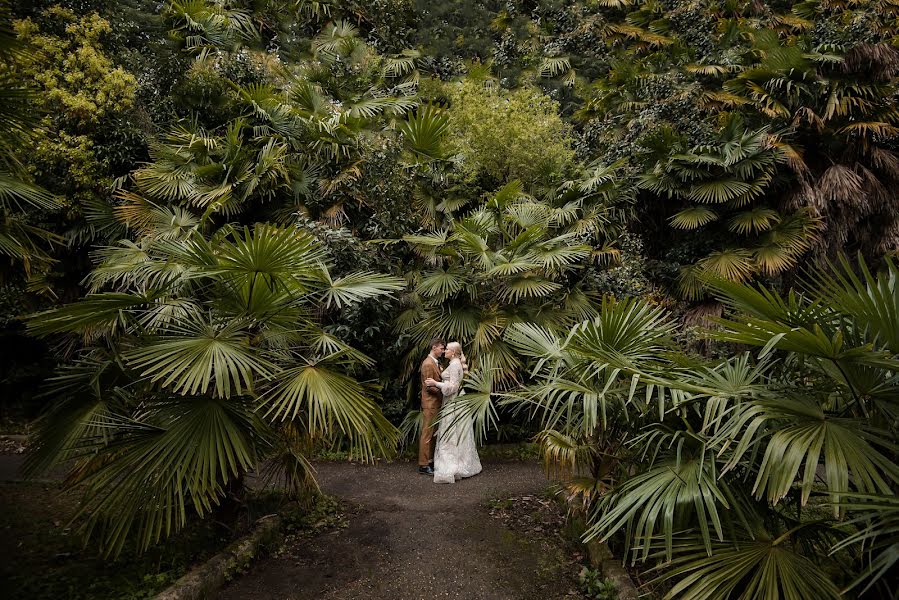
[[412, 539], [408, 539]]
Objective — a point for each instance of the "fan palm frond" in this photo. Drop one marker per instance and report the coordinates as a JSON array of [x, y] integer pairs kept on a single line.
[[553, 66], [106, 312], [655, 500], [197, 355], [766, 567], [847, 448], [356, 287], [138, 481], [424, 132], [734, 264], [878, 535], [753, 221], [441, 284], [519, 287], [331, 403], [872, 300], [338, 38], [693, 217], [16, 194]]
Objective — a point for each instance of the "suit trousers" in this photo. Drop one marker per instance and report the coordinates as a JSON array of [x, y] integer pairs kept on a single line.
[[427, 441]]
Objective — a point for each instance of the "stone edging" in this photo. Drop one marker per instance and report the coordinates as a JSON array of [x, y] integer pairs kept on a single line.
[[601, 559], [611, 568], [204, 580]]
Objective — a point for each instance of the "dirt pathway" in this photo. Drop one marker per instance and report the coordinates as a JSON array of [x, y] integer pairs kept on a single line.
[[412, 539]]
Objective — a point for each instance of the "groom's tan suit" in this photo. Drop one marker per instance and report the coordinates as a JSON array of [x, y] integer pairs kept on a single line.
[[431, 400]]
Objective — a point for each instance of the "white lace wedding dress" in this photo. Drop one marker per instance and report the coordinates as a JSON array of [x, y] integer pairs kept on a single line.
[[456, 455]]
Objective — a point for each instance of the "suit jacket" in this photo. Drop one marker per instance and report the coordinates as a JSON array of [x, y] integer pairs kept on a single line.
[[431, 396]]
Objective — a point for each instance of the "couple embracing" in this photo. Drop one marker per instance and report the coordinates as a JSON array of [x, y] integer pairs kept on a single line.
[[446, 449]]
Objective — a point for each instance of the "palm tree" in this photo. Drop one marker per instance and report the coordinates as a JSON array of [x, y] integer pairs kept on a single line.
[[202, 26], [838, 104], [513, 259], [717, 474], [220, 173], [685, 91], [203, 355], [314, 120], [728, 187]]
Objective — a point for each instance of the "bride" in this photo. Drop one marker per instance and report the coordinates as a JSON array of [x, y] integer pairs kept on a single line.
[[456, 455]]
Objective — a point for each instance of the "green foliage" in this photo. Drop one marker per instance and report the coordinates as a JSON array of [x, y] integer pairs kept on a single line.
[[508, 135], [594, 586], [22, 241], [80, 94], [202, 352], [514, 259], [714, 472], [514, 161], [772, 129], [91, 88]]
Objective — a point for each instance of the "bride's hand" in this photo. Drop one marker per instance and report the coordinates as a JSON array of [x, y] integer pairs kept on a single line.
[[431, 382]]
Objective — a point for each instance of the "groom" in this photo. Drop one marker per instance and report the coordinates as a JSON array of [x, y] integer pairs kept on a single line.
[[431, 400]]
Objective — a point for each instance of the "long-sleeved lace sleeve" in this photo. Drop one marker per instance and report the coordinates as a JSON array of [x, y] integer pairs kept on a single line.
[[452, 385]]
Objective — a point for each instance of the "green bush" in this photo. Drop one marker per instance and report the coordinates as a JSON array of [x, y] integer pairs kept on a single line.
[[508, 135]]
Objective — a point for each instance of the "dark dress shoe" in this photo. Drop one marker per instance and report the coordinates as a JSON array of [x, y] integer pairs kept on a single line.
[[429, 470]]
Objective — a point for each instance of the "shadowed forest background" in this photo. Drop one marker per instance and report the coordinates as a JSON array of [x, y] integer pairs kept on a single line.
[[663, 232]]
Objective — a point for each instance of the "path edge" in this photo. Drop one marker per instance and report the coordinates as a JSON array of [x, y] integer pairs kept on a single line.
[[601, 558], [207, 578]]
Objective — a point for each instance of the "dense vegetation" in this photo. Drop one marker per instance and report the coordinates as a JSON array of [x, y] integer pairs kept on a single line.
[[229, 229]]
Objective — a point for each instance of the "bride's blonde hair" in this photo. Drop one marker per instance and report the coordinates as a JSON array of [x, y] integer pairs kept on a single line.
[[457, 349]]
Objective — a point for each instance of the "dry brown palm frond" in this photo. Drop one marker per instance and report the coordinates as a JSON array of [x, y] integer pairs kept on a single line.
[[792, 23], [809, 116], [889, 240], [703, 315], [806, 195], [720, 100], [886, 161], [792, 154], [882, 60], [335, 216], [840, 183], [875, 191], [632, 32], [351, 173], [837, 234], [867, 132], [607, 255], [136, 212]]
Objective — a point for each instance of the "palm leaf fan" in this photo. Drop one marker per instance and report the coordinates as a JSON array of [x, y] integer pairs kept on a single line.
[[732, 264], [424, 131], [693, 218], [753, 221]]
